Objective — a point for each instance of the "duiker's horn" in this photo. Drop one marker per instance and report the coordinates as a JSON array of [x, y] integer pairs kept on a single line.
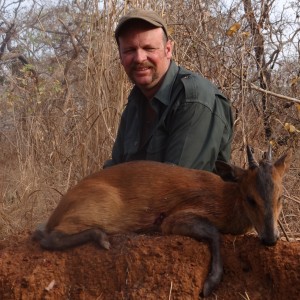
[[252, 162], [269, 154]]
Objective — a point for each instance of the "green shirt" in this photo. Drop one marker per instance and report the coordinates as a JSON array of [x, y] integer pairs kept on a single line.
[[193, 127]]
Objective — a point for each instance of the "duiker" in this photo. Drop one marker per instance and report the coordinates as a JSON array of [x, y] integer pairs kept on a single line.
[[146, 196]]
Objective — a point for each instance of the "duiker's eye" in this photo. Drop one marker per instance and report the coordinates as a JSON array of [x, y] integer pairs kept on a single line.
[[251, 201]]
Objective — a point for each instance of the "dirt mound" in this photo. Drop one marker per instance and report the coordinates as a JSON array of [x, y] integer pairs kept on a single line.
[[148, 267]]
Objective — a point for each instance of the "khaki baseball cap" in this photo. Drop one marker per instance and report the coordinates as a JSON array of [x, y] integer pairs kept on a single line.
[[141, 14]]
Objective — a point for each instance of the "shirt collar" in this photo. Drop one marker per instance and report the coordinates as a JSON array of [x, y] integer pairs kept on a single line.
[[163, 94]]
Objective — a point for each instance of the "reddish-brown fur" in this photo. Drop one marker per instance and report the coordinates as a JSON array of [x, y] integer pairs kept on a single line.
[[131, 196], [148, 196]]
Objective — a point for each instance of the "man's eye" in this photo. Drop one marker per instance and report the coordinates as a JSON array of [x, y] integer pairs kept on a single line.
[[127, 51]]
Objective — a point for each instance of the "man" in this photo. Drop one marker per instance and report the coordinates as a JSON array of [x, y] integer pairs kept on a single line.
[[173, 115]]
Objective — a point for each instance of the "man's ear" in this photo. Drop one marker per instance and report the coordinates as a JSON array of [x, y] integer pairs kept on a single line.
[[229, 172], [169, 49], [283, 163]]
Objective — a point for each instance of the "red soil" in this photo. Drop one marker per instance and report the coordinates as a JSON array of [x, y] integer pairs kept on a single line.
[[148, 267]]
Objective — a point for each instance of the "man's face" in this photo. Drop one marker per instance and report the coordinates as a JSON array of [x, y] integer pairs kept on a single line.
[[145, 56]]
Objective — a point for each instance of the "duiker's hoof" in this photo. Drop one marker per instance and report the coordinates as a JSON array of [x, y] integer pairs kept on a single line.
[[211, 283], [105, 244], [39, 233]]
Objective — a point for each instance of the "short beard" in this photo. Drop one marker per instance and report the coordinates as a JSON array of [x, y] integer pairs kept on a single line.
[[146, 65]]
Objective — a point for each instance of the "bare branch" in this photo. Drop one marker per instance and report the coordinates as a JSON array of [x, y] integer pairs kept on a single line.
[[279, 96], [8, 35]]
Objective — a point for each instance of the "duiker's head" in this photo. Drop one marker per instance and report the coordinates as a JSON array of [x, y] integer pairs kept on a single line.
[[261, 186]]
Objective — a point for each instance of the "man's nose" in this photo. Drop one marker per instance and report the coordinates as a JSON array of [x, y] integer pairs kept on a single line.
[[140, 55]]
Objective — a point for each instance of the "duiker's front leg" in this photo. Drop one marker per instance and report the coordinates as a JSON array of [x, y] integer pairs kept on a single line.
[[188, 224]]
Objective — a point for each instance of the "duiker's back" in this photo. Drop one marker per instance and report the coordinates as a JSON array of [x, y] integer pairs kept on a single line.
[[133, 196]]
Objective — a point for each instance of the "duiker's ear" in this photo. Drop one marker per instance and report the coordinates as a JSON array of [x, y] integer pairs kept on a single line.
[[283, 163], [228, 172]]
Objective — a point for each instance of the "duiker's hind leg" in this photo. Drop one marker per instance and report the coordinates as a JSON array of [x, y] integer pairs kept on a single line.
[[39, 233], [187, 224], [57, 240]]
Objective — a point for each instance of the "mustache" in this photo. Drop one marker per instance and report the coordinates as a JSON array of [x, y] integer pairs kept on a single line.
[[137, 66]]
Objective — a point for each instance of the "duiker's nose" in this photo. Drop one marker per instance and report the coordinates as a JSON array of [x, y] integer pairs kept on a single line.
[[270, 236], [270, 241]]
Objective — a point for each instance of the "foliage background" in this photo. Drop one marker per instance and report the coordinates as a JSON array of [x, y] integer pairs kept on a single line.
[[63, 89]]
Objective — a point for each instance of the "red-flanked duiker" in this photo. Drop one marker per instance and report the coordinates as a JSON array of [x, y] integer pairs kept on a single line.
[[144, 196]]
